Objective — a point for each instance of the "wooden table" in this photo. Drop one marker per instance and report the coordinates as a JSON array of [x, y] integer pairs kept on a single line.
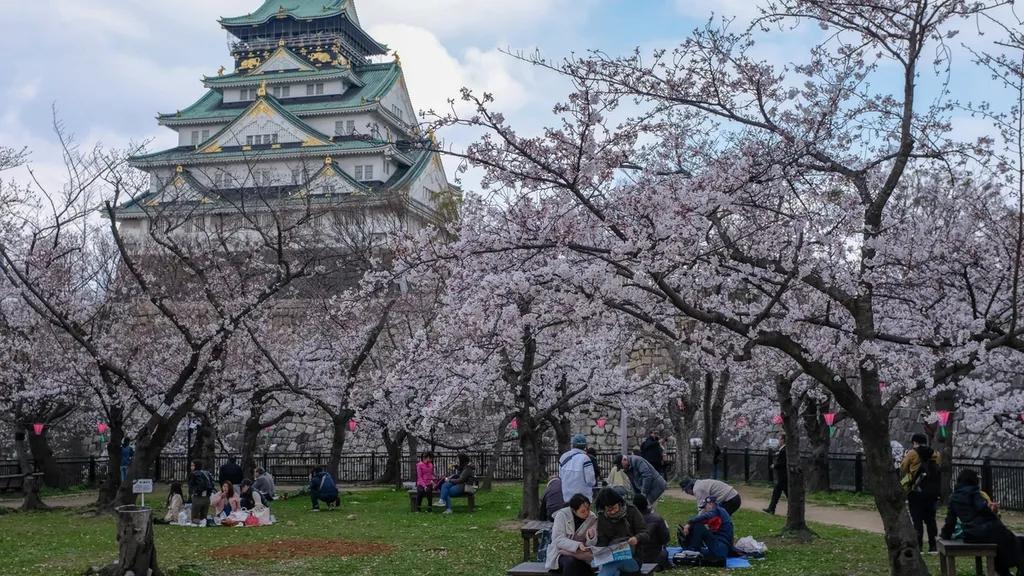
[[949, 550], [530, 532]]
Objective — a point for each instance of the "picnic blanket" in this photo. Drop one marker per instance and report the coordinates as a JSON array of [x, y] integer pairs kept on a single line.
[[730, 563]]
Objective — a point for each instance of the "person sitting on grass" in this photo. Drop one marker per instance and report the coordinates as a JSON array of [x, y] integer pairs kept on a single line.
[[264, 484], [175, 504], [981, 524], [323, 489], [653, 551], [618, 522], [249, 498], [226, 501], [456, 484], [424, 479], [573, 531], [710, 532]]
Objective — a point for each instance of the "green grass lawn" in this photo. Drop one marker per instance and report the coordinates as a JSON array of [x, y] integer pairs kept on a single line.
[[481, 544]]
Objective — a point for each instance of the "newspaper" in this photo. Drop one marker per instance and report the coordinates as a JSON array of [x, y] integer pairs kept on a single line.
[[606, 554]]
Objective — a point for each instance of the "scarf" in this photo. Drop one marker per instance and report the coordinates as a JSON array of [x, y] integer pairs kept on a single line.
[[618, 515]]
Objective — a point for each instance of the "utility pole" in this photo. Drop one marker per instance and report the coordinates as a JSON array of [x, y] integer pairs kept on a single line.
[[623, 429]]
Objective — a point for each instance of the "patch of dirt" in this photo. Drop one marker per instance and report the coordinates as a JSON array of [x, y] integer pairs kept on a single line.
[[297, 549]]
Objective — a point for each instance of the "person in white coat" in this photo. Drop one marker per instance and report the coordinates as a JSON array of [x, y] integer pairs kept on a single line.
[[576, 470], [573, 532]]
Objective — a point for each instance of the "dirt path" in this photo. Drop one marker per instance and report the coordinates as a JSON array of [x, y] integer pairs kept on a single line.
[[755, 499]]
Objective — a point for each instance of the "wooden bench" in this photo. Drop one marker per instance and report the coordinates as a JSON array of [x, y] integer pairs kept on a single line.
[[15, 482], [538, 569], [530, 532], [414, 505], [950, 550]]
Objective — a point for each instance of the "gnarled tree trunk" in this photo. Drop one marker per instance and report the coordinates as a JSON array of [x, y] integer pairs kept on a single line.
[[530, 442], [487, 481], [339, 432], [713, 406], [393, 464], [137, 549], [30, 488], [112, 482], [796, 522], [820, 439], [42, 456]]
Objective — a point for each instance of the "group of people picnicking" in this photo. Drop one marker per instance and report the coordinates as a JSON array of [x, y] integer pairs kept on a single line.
[[237, 501], [591, 514]]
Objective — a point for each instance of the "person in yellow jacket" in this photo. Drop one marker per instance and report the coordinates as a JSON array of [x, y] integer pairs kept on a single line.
[[922, 479]]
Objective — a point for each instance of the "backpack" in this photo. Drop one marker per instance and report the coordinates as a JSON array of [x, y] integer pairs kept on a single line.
[[207, 481], [928, 479]]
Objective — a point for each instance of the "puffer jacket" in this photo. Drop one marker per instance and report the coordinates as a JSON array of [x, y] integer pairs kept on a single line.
[[971, 508]]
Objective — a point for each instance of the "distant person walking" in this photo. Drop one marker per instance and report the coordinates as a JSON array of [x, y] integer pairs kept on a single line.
[[576, 470], [127, 456], [922, 479], [781, 469], [651, 451]]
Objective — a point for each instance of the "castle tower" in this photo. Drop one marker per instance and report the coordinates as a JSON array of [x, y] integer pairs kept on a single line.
[[305, 114]]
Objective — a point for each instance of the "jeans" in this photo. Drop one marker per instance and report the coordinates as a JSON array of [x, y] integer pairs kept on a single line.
[[124, 472], [448, 490], [922, 513], [700, 539], [618, 567], [777, 492], [331, 500]]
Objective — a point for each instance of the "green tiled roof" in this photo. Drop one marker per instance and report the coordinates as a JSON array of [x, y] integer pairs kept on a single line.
[[298, 9], [377, 80], [188, 155], [280, 77]]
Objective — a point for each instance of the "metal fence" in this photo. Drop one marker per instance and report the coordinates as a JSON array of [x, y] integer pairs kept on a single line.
[[1003, 479]]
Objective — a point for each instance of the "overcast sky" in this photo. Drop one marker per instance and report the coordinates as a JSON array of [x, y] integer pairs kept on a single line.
[[109, 66]]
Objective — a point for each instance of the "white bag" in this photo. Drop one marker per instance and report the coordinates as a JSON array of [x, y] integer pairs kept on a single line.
[[184, 518], [748, 545], [262, 514]]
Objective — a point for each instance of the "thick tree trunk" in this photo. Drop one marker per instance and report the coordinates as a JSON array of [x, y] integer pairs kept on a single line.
[[820, 440], [137, 549], [30, 487], [204, 444], [946, 400], [42, 456], [563, 432], [149, 443], [393, 465], [883, 481], [250, 442], [414, 456], [339, 431], [682, 420], [533, 467], [713, 406], [796, 522], [112, 483]]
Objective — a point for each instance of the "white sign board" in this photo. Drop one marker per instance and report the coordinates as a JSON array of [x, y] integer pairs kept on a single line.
[[142, 487]]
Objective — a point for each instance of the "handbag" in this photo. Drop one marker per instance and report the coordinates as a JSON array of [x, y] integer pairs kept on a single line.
[[251, 521]]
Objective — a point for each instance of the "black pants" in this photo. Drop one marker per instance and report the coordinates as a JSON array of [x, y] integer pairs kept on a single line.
[[732, 504], [421, 493], [783, 488], [922, 512], [1009, 555], [569, 566]]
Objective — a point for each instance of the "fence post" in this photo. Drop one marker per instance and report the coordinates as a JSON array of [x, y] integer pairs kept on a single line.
[[159, 468], [771, 468], [725, 464], [92, 470], [986, 477], [858, 474], [746, 465], [373, 466]]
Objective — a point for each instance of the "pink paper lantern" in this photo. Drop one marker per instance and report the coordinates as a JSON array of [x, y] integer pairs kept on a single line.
[[352, 425], [741, 422], [943, 417], [601, 422], [777, 420], [514, 424], [830, 418], [38, 428], [102, 428]]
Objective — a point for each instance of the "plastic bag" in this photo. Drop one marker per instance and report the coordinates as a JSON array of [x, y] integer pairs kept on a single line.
[[184, 517], [263, 515], [750, 547]]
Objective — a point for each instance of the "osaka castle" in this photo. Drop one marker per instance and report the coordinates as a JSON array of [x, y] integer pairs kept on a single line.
[[314, 111]]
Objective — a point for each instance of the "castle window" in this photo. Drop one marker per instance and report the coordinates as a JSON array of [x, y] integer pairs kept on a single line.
[[364, 173], [315, 89], [206, 135], [248, 94], [195, 137], [282, 91], [397, 110], [350, 127]]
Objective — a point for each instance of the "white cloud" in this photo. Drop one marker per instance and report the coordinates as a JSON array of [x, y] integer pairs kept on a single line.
[[745, 10], [465, 17]]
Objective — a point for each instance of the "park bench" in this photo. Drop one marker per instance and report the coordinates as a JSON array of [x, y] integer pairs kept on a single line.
[[14, 482], [950, 550], [538, 569], [530, 532], [414, 505], [470, 501]]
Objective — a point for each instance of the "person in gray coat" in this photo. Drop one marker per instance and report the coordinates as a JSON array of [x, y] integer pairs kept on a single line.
[[645, 479]]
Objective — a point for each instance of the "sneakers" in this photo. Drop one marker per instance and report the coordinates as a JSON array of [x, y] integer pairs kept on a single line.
[[932, 549], [768, 511], [439, 503], [315, 510], [447, 511]]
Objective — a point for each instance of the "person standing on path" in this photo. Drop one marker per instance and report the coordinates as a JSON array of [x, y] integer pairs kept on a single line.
[[725, 496], [645, 478], [923, 482], [576, 470], [127, 455], [651, 451], [781, 468]]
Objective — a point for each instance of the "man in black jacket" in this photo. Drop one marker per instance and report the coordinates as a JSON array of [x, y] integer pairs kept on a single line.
[[921, 463], [651, 451], [780, 467], [231, 472]]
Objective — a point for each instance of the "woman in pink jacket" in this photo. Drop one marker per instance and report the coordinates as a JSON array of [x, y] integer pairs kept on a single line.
[[424, 479]]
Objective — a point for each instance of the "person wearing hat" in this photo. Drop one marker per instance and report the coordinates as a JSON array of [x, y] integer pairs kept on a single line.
[[618, 522], [725, 495], [710, 532], [921, 465], [576, 470]]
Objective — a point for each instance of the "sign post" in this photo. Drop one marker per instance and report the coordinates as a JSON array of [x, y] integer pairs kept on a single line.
[[143, 487]]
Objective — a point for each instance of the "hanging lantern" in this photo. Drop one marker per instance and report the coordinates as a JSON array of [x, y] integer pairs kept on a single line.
[[943, 416], [601, 422], [741, 422], [830, 419], [102, 428], [514, 424], [881, 385], [352, 425], [777, 420], [38, 428]]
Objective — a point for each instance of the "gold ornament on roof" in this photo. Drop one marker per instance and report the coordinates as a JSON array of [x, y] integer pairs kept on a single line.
[[262, 90], [220, 71], [320, 57], [281, 43], [249, 64], [179, 169], [398, 59], [328, 161]]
